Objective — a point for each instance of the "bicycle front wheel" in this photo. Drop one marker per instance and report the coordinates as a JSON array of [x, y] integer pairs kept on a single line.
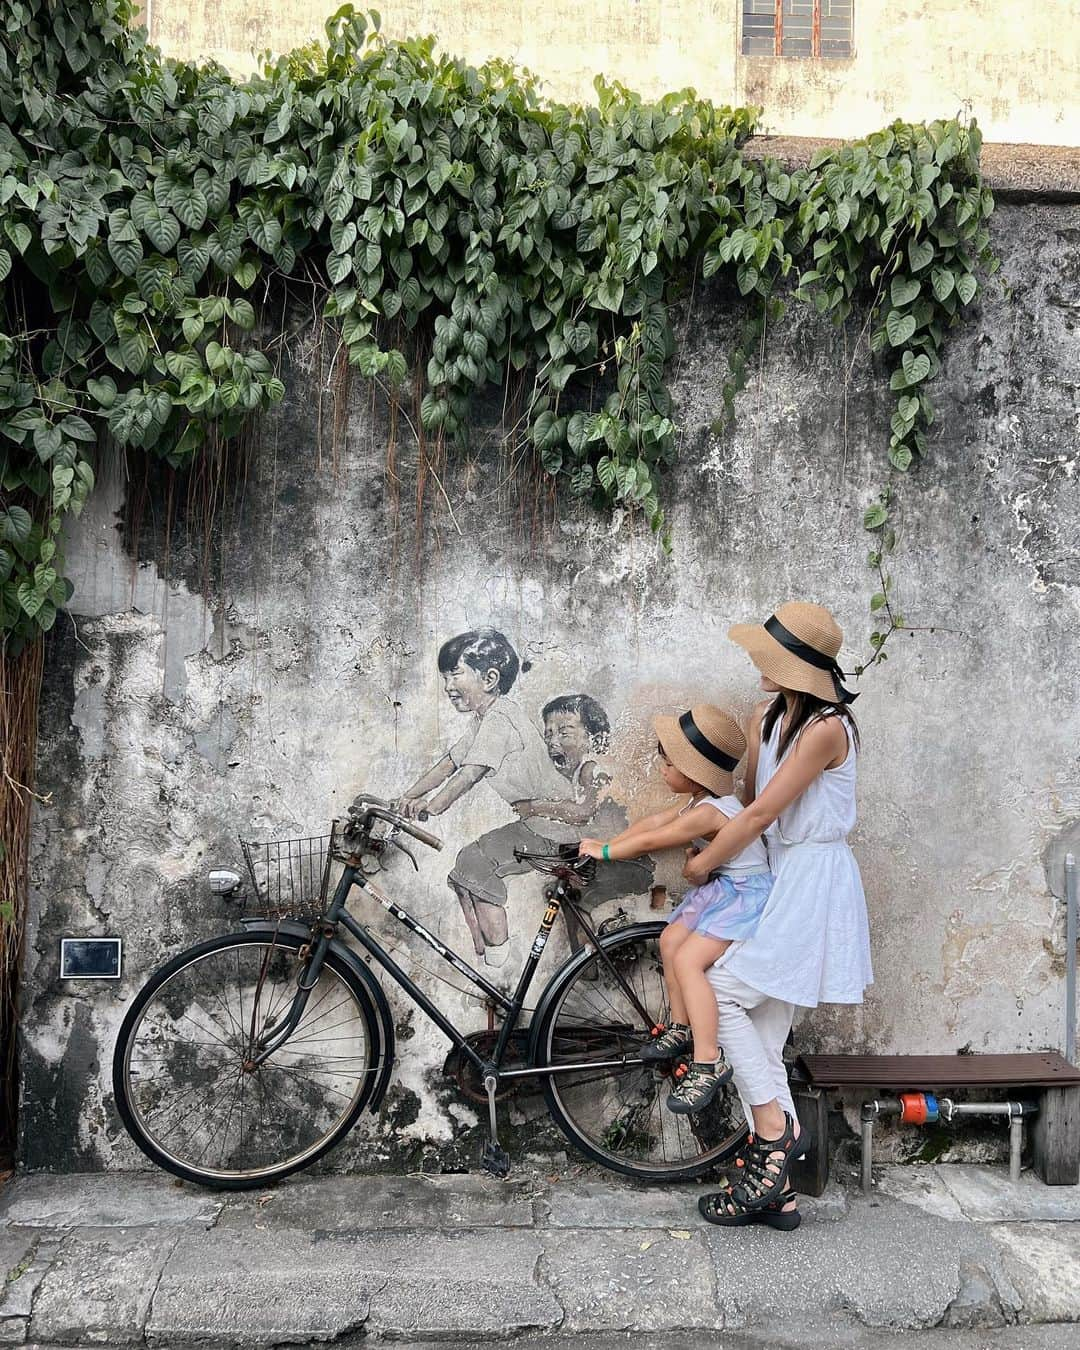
[[598, 1011], [185, 1083]]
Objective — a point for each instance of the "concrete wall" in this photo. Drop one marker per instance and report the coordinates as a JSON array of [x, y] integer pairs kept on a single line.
[[1017, 66], [198, 692]]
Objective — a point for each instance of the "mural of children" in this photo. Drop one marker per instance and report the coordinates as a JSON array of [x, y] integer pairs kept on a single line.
[[503, 748], [577, 731]]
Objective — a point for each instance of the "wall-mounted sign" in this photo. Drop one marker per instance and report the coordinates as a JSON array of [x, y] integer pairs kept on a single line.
[[90, 958]]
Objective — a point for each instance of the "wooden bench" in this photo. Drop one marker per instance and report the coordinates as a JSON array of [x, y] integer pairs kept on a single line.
[[1046, 1077]]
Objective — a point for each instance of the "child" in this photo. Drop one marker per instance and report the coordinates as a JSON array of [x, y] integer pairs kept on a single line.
[[577, 732], [698, 752], [504, 749]]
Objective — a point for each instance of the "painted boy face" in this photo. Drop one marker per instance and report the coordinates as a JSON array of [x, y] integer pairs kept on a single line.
[[568, 742], [468, 689]]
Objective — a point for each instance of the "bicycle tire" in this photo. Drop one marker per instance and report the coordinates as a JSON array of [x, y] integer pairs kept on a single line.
[[566, 1102], [131, 1110]]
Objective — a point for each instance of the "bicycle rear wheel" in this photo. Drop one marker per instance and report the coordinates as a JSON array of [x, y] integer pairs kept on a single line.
[[183, 1077], [600, 1011]]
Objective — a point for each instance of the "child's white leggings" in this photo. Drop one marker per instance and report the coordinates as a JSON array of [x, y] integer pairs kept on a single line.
[[753, 1029]]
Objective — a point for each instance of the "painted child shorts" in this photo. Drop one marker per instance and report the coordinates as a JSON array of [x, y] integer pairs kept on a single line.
[[725, 906]]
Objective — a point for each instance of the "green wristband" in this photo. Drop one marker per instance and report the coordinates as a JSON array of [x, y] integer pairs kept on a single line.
[[605, 853]]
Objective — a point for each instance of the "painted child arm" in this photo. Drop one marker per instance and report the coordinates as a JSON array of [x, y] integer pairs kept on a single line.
[[673, 833], [411, 802], [428, 782], [568, 811], [466, 777], [820, 746]]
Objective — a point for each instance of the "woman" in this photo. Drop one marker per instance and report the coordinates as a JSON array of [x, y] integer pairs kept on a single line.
[[812, 944]]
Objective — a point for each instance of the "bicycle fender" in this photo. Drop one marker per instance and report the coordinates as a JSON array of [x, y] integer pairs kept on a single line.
[[555, 985], [370, 984]]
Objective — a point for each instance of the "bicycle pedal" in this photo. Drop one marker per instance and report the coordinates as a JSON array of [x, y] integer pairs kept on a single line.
[[495, 1160]]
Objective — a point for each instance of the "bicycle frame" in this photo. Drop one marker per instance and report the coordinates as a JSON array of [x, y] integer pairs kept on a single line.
[[338, 913]]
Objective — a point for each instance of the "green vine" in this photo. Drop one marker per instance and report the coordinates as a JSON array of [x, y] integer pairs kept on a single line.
[[449, 224]]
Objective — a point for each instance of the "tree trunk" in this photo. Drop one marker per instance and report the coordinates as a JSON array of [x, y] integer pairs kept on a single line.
[[20, 684]]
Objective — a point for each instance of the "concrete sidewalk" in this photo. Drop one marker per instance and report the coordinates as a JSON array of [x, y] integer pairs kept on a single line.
[[133, 1259]]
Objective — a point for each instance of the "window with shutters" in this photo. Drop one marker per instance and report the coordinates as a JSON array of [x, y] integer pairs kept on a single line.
[[820, 29]]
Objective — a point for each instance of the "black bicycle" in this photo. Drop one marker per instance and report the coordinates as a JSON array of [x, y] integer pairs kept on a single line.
[[249, 1056]]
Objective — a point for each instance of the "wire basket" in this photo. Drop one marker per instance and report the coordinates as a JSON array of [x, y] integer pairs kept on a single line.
[[289, 877]]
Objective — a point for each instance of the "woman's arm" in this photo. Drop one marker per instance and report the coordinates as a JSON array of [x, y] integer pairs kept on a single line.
[[823, 745], [700, 820], [753, 747]]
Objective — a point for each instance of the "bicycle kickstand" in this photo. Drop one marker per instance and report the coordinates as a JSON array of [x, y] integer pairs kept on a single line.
[[494, 1159]]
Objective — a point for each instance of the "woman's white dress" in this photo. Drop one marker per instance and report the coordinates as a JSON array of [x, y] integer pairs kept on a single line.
[[812, 944]]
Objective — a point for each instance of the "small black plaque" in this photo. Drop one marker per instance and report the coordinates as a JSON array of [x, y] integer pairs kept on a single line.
[[90, 958]]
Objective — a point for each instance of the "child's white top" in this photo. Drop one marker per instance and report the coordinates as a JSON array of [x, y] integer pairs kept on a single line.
[[752, 859], [507, 743]]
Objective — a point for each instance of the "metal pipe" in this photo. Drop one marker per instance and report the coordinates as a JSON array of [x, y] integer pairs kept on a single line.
[[870, 1112], [867, 1151], [1016, 1146], [948, 1110], [1070, 957], [1016, 1111]]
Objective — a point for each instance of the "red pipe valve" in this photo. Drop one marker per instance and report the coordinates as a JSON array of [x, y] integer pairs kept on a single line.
[[916, 1108]]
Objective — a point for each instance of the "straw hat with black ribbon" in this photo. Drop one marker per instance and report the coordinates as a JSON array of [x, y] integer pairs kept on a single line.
[[797, 648], [705, 743]]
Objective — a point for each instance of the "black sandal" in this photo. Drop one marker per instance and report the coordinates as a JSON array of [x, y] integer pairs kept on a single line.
[[697, 1087], [722, 1209], [666, 1043], [762, 1176]]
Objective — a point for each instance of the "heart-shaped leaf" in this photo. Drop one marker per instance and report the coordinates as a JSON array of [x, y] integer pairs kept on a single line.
[[899, 328], [916, 368], [103, 390], [15, 525], [190, 204], [920, 254], [162, 228], [125, 253], [943, 282], [900, 457], [903, 290]]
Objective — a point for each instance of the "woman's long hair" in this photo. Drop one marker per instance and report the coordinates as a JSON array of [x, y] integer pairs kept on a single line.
[[805, 709]]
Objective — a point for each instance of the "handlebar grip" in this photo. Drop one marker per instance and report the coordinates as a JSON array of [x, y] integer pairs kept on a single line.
[[425, 836]]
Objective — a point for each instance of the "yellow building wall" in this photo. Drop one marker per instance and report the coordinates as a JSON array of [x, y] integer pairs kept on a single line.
[[1015, 64]]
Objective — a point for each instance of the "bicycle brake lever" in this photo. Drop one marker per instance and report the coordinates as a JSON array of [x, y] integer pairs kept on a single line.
[[407, 851]]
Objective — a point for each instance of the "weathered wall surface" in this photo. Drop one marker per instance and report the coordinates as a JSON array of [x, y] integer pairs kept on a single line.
[[1018, 66], [173, 721]]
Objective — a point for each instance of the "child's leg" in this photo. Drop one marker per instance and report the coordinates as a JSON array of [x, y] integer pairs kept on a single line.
[[468, 910], [672, 940], [691, 960], [492, 921]]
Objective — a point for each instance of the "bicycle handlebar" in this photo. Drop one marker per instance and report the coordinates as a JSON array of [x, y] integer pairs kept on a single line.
[[375, 806], [425, 836]]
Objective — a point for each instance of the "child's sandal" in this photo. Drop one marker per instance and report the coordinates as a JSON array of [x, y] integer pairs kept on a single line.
[[722, 1209], [698, 1086], [666, 1043], [764, 1165]]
